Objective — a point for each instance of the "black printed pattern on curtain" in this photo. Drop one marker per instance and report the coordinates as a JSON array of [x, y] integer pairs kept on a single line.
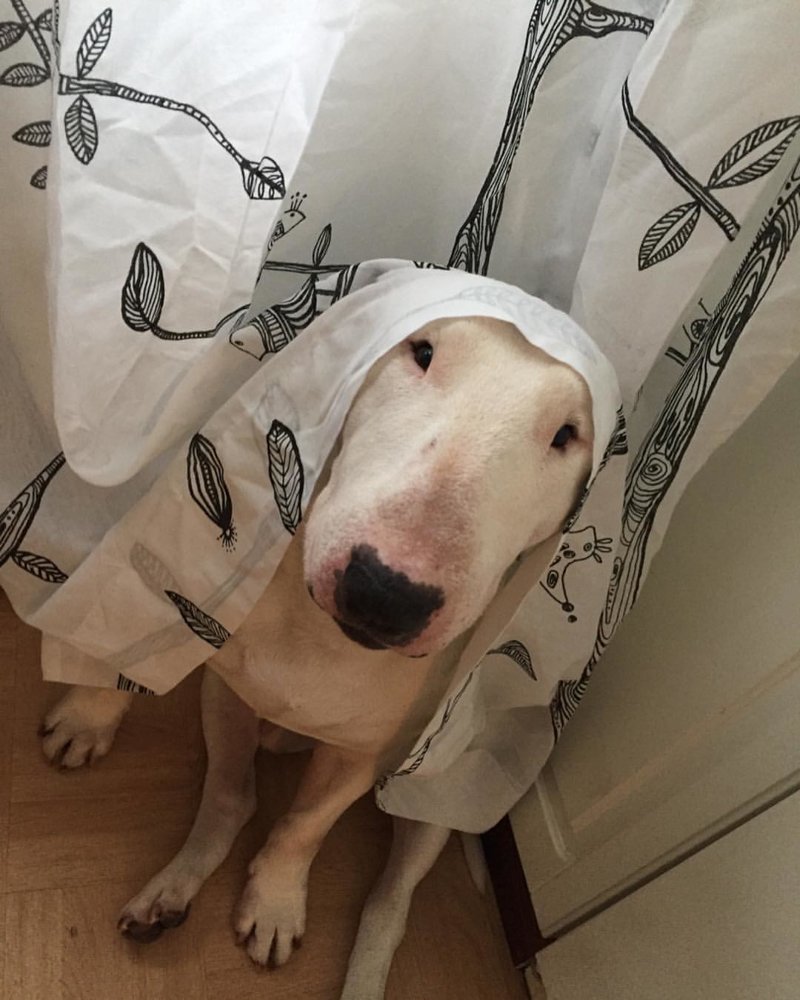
[[551, 26], [652, 472], [262, 180]]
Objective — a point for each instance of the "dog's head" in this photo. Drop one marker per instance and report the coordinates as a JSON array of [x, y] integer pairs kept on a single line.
[[465, 446]]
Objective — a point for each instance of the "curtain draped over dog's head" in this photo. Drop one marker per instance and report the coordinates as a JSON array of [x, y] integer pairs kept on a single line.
[[229, 257], [218, 520]]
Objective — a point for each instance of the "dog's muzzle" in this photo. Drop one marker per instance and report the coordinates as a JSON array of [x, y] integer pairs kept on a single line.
[[378, 607]]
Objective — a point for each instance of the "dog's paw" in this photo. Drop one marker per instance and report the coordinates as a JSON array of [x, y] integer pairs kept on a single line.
[[270, 919], [81, 727], [164, 903]]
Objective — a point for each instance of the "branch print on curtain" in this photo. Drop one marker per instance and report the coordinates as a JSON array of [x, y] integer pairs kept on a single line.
[[143, 299], [143, 293], [749, 158], [262, 179], [29, 74], [273, 328]]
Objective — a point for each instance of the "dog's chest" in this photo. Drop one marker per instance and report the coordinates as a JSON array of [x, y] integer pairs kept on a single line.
[[293, 666], [292, 678], [290, 663]]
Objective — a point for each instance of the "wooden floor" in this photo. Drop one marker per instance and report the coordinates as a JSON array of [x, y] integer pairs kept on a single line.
[[75, 846]]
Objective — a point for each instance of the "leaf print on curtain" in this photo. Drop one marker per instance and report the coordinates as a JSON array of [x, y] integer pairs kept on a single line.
[[208, 488], [149, 286], [749, 158], [17, 518], [286, 474], [518, 652], [203, 625], [143, 299], [27, 74]]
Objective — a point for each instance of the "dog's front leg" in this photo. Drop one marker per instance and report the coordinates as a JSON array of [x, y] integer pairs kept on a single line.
[[415, 848], [230, 729], [270, 919]]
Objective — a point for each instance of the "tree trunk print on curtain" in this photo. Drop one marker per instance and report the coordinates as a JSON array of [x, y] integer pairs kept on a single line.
[[262, 180], [17, 518], [552, 25], [750, 157], [659, 458]]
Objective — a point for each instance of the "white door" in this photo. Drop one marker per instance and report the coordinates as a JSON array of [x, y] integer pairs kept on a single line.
[[691, 723], [722, 926]]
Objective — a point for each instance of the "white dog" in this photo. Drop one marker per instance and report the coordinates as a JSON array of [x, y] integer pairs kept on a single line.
[[465, 446]]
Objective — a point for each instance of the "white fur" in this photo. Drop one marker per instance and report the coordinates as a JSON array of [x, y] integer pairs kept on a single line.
[[447, 474]]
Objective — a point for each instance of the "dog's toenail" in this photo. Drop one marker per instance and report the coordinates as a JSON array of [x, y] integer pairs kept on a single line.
[[271, 963], [174, 918], [143, 933]]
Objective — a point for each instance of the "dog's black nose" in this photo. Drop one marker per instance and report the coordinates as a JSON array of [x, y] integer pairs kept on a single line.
[[380, 607]]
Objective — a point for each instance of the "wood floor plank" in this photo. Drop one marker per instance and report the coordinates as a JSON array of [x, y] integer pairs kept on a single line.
[[64, 946], [3, 943], [35, 933], [100, 957]]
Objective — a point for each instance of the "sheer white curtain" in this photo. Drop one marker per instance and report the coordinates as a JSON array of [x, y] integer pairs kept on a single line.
[[638, 167]]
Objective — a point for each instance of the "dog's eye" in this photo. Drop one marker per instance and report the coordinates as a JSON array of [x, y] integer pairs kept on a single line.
[[423, 354], [564, 435]]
